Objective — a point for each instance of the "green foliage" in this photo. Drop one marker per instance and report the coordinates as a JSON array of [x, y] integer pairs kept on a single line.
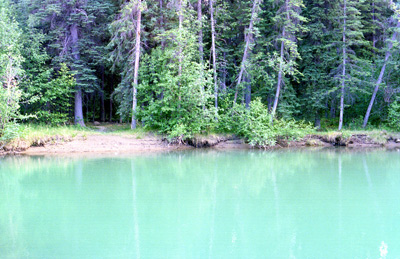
[[255, 125], [174, 93], [10, 70], [394, 115], [9, 112], [50, 99], [168, 99]]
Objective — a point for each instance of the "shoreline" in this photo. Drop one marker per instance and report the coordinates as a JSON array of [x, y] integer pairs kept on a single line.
[[112, 144], [103, 144]]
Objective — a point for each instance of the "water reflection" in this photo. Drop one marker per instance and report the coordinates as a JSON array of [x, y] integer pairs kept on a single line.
[[296, 204], [135, 212], [213, 208]]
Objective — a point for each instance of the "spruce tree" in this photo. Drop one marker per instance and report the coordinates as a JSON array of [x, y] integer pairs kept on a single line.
[[289, 22], [72, 37], [349, 35]]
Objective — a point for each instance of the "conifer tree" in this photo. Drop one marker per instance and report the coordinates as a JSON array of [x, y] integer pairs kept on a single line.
[[350, 36], [388, 51], [248, 41], [71, 29], [290, 23], [317, 58]]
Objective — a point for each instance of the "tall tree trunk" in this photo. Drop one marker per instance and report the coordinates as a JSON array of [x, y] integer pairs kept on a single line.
[[317, 122], [137, 59], [111, 110], [270, 99], [87, 106], [332, 112], [94, 107], [102, 108], [111, 98], [201, 48], [344, 68], [214, 53], [180, 53], [279, 86], [280, 73], [78, 113], [374, 21], [247, 93], [200, 21], [162, 22], [380, 78], [246, 48], [224, 74]]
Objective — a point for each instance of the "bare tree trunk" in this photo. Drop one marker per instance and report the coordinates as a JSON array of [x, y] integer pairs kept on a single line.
[[224, 74], [78, 114], [269, 103], [180, 53], [246, 48], [201, 48], [279, 86], [102, 108], [111, 98], [332, 112], [380, 78], [247, 94], [162, 41], [137, 59], [214, 53], [373, 33], [162, 22], [200, 20], [94, 107], [317, 122], [111, 110], [87, 107], [344, 68]]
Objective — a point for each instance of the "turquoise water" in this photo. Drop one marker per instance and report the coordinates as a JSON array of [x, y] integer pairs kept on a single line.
[[202, 204]]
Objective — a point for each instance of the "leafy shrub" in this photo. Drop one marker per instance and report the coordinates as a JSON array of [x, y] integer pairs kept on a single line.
[[394, 115], [175, 98], [255, 125], [10, 132], [356, 123], [10, 70], [50, 99], [9, 107]]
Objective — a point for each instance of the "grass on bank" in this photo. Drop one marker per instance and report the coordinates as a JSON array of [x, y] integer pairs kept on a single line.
[[27, 135], [377, 135], [36, 130]]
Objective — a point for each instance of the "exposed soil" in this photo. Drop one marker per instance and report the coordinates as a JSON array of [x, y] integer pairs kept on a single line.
[[233, 144], [104, 144], [209, 141]]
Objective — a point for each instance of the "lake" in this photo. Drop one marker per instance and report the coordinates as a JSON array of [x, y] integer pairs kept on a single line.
[[330, 203]]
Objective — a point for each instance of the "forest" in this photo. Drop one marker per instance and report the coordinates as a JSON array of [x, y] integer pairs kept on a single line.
[[255, 68]]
